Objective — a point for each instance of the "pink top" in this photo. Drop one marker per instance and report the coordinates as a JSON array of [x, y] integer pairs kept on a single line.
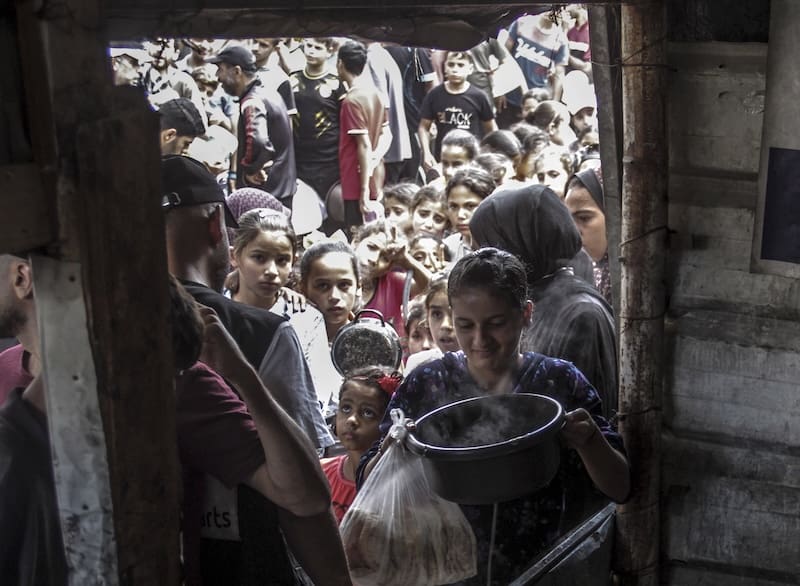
[[388, 299]]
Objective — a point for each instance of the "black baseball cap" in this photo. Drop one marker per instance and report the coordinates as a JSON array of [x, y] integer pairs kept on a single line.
[[236, 55], [186, 182]]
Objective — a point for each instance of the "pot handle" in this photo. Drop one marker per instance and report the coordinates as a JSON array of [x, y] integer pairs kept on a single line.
[[368, 310]]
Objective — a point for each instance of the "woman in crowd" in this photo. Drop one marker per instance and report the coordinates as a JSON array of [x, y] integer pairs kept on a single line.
[[488, 295], [572, 321], [585, 202]]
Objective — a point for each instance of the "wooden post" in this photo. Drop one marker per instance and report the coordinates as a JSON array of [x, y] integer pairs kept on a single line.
[[100, 146], [643, 250], [604, 26]]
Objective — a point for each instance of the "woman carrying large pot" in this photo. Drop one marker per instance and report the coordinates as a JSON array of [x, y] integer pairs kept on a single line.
[[571, 320], [488, 295]]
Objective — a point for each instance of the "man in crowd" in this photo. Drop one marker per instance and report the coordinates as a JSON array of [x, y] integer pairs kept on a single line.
[[197, 252], [181, 123], [364, 137], [271, 76], [19, 363], [265, 131]]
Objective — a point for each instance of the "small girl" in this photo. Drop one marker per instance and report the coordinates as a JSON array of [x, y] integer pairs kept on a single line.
[[419, 336], [363, 399], [439, 320], [397, 205], [465, 190], [380, 254], [429, 212]]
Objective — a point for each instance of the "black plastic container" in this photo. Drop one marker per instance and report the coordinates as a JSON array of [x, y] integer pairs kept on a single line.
[[489, 449]]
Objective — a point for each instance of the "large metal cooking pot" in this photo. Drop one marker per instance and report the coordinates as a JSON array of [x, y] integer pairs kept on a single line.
[[366, 341], [489, 449]]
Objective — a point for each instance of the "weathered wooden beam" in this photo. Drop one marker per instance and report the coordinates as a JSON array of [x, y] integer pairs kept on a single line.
[[643, 300], [26, 214], [78, 442], [109, 220], [442, 24], [605, 38]]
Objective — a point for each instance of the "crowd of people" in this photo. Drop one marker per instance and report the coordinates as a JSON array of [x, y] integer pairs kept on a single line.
[[458, 193]]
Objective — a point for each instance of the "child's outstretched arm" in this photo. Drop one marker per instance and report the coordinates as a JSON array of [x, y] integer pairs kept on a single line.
[[607, 468]]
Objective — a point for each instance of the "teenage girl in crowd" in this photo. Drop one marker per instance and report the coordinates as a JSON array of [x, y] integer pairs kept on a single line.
[[465, 190], [363, 398], [263, 254], [329, 279], [429, 212], [383, 259], [439, 320]]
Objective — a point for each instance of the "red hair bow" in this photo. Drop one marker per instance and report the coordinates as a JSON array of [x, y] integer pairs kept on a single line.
[[390, 382]]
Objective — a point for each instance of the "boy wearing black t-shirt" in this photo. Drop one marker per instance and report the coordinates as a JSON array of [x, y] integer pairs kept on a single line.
[[454, 104], [317, 95]]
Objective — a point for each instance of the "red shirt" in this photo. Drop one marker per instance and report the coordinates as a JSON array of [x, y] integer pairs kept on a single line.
[[388, 299], [343, 491], [362, 112]]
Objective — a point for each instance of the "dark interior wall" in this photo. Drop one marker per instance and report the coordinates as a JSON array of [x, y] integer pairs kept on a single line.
[[732, 21]]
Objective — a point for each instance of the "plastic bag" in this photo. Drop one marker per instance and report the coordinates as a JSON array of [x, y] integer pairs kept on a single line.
[[398, 532]]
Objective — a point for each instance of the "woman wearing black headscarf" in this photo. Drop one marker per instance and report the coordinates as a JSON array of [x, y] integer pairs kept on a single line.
[[571, 320], [585, 202]]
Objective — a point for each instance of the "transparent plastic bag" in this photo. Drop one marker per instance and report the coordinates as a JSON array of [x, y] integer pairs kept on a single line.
[[398, 532]]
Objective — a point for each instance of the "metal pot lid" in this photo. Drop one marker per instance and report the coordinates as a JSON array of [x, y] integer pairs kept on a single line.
[[366, 341]]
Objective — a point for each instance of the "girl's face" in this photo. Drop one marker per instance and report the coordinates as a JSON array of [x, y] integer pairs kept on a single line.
[[419, 337], [528, 106], [264, 265], [361, 408], [590, 220], [429, 217], [331, 285], [550, 171], [440, 323], [371, 255], [453, 158], [461, 204], [488, 330], [397, 214], [428, 251]]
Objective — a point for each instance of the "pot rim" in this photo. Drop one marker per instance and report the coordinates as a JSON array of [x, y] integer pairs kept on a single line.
[[504, 448]]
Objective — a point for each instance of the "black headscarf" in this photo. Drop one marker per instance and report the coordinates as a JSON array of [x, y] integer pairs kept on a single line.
[[532, 223], [571, 320], [588, 178]]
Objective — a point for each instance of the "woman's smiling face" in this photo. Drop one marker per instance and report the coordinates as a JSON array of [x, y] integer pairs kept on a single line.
[[488, 329]]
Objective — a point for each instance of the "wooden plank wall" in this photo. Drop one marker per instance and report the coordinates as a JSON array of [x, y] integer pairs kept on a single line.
[[731, 470]]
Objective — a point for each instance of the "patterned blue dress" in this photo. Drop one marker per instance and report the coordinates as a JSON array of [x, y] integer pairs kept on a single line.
[[528, 525]]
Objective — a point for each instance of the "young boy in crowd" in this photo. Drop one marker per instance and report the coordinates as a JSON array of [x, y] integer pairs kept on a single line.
[[454, 104], [317, 94]]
